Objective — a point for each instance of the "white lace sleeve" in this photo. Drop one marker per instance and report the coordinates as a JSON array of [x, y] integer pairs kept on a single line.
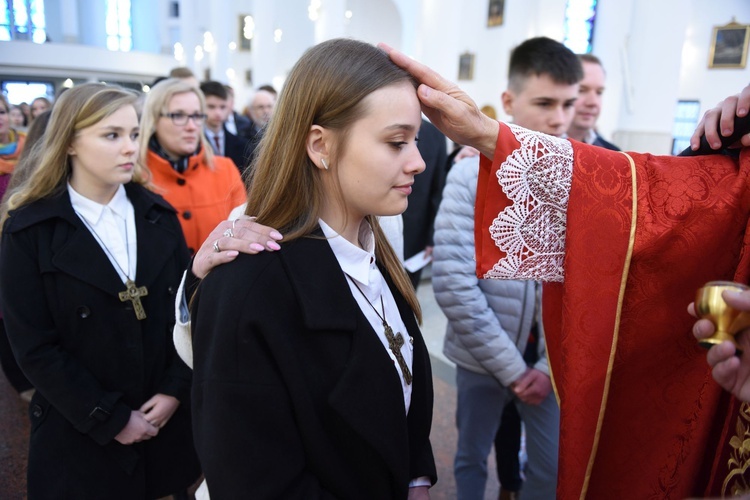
[[531, 231]]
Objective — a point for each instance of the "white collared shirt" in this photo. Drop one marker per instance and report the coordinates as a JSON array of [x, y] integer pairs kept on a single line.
[[230, 124], [113, 227], [590, 137], [360, 265]]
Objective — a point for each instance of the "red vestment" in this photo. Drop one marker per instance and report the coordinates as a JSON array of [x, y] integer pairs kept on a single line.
[[641, 416]]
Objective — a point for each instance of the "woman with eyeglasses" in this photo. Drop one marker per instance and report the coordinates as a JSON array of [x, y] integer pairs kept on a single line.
[[202, 187]]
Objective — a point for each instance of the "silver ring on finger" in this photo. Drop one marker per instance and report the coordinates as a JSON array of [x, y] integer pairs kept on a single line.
[[216, 246], [229, 233], [234, 222]]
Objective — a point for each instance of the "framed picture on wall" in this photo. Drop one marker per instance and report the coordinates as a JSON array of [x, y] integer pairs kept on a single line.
[[729, 46], [495, 13], [466, 66]]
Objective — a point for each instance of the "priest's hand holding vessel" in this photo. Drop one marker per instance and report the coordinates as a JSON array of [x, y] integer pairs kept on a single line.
[[710, 304]]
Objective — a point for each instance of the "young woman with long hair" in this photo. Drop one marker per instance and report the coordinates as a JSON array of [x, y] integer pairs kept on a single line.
[[89, 264], [311, 377]]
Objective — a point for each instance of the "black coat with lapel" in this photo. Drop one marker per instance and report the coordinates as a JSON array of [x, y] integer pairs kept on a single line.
[[90, 359], [427, 191], [294, 395], [238, 149]]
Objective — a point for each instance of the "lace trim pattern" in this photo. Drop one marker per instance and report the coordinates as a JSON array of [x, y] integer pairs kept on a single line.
[[536, 178]]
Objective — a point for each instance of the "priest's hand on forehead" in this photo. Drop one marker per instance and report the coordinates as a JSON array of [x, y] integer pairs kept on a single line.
[[448, 107]]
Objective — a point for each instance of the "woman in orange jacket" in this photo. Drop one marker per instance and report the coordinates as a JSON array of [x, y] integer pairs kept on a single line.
[[203, 188]]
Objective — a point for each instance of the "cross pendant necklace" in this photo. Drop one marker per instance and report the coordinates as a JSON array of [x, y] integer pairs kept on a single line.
[[133, 293], [395, 342]]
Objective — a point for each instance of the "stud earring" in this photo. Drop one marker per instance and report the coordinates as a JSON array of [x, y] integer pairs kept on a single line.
[[325, 163]]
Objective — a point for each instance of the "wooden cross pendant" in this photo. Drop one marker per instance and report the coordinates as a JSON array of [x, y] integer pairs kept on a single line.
[[395, 343], [134, 294]]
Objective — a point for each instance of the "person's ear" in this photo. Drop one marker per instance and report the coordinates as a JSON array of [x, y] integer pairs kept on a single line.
[[507, 99], [319, 146]]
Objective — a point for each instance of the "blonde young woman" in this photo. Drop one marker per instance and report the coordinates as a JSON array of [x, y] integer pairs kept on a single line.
[[202, 187], [311, 378], [89, 264]]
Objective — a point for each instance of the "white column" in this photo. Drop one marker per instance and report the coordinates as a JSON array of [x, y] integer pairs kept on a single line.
[[69, 21], [147, 22], [191, 35], [650, 63], [92, 16], [223, 26], [331, 22], [263, 45]]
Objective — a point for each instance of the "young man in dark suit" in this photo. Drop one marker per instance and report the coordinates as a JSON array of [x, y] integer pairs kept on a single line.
[[223, 142]]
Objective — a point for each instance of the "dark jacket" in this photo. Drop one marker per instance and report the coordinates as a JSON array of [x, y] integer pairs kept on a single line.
[[427, 191], [602, 143], [294, 394], [90, 359], [237, 148]]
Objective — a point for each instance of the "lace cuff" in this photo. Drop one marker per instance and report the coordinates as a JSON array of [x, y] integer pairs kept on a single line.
[[536, 178]]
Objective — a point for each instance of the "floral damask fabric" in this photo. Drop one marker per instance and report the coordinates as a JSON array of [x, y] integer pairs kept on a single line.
[[640, 415]]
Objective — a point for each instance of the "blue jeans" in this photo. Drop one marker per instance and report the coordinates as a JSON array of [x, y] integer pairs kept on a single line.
[[481, 399]]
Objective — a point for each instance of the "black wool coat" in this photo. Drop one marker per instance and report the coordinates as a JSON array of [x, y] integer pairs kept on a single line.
[[294, 395], [90, 359], [237, 148], [427, 191]]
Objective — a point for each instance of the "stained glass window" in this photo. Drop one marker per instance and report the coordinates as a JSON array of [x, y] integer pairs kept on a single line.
[[579, 25], [685, 121], [23, 20], [119, 27]]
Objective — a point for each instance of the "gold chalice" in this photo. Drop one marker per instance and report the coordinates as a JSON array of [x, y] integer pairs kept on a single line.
[[709, 304]]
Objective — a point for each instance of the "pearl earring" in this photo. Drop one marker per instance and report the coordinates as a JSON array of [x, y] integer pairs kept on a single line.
[[325, 163]]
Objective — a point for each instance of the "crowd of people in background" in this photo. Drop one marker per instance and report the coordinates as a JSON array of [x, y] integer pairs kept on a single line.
[[109, 197]]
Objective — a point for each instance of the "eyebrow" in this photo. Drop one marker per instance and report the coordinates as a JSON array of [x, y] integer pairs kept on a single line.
[[117, 129], [400, 126]]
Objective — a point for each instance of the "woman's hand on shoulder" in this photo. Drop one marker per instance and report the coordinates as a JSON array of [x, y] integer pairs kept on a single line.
[[230, 238]]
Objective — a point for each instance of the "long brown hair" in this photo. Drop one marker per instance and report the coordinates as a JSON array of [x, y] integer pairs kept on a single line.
[[78, 108], [326, 87]]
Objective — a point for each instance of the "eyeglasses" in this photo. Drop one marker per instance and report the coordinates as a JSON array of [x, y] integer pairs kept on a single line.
[[181, 119]]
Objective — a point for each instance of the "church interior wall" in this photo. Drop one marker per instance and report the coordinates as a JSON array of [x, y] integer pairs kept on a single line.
[[655, 53]]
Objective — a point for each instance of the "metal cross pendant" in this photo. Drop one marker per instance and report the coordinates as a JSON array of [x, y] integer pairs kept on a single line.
[[134, 294], [395, 343]]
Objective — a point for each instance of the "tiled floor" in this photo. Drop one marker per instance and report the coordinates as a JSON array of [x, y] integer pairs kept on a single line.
[[14, 423]]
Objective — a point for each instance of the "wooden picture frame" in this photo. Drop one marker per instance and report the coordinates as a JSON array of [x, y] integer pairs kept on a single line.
[[495, 13], [466, 66], [729, 45]]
